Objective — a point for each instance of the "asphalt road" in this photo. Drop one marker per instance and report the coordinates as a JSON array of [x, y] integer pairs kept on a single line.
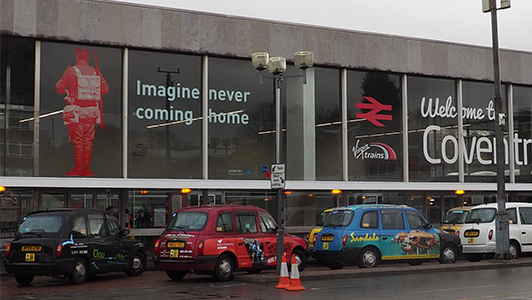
[[431, 280]]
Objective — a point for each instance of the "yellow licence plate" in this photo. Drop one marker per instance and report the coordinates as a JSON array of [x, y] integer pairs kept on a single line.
[[176, 245], [174, 253], [31, 248], [30, 257], [327, 238], [471, 234]]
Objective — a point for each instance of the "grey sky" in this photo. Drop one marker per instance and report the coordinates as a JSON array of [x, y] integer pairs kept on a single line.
[[460, 21]]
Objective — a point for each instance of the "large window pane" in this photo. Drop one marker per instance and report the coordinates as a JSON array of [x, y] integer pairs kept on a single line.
[[432, 129], [328, 125], [17, 66], [79, 134], [164, 138], [522, 137], [241, 119], [479, 132], [374, 126]]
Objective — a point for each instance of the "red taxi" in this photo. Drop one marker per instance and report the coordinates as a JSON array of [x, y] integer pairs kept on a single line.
[[218, 240]]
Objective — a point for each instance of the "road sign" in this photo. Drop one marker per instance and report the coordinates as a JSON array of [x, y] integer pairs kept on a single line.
[[277, 168], [277, 181]]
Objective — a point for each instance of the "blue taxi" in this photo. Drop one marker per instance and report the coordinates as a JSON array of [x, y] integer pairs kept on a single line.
[[368, 234]]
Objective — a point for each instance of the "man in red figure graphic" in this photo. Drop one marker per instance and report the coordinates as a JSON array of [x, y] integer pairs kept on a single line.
[[84, 87]]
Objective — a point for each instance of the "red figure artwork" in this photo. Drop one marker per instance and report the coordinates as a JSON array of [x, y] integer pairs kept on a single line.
[[84, 87]]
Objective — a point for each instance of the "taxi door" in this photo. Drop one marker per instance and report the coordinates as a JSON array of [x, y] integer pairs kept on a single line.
[[394, 235], [248, 239], [524, 228], [269, 227], [100, 245]]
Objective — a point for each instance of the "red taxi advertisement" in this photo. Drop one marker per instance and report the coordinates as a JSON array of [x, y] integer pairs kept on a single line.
[[218, 240]]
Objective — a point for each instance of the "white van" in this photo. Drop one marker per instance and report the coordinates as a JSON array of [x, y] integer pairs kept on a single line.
[[478, 233]]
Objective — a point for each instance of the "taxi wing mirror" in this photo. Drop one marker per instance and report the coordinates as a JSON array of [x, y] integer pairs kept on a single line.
[[126, 232]]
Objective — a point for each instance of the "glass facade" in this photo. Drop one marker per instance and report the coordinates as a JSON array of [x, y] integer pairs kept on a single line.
[[17, 63], [150, 109], [164, 123], [241, 121], [522, 122], [374, 109], [65, 144], [432, 129]]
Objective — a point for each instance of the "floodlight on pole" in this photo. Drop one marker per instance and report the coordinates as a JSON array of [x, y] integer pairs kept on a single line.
[[277, 67]]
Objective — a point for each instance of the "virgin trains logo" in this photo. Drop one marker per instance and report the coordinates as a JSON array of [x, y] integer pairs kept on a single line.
[[373, 150]]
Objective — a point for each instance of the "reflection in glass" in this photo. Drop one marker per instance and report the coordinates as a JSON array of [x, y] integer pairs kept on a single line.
[[522, 101], [374, 126], [241, 120], [432, 129], [164, 134], [17, 67]]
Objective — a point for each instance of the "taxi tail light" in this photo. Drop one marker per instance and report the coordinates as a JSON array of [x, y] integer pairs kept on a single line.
[[314, 239], [200, 248], [8, 249], [490, 234], [344, 240], [308, 236], [58, 250], [458, 232], [156, 246]]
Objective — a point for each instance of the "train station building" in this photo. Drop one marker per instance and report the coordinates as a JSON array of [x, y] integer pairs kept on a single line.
[[145, 110]]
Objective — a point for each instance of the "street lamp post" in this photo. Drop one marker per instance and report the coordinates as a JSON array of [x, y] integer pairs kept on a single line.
[[502, 243], [277, 67]]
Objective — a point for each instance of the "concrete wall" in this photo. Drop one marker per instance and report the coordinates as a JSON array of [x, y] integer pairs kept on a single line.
[[118, 24]]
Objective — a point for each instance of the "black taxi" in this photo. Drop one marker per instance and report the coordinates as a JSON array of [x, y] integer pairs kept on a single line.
[[72, 243]]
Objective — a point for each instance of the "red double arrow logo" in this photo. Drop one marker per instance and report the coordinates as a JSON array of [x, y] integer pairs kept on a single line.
[[373, 115]]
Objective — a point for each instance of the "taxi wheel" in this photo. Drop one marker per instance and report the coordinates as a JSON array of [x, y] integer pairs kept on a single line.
[[513, 251], [176, 275], [138, 266], [224, 268], [449, 254], [369, 257], [24, 279], [80, 272], [301, 260]]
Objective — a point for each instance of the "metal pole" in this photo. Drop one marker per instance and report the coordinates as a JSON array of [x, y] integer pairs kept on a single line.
[[278, 160], [501, 218]]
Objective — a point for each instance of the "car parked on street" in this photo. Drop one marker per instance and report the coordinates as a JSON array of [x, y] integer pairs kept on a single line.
[[72, 243], [367, 234], [220, 239], [319, 225], [478, 233], [454, 219]]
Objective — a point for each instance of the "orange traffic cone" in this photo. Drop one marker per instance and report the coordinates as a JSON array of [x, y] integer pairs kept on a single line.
[[284, 280], [295, 282]]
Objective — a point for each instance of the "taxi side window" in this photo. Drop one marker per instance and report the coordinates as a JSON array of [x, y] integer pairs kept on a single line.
[[246, 222], [526, 215], [225, 222], [114, 227], [267, 224], [79, 225], [370, 219], [392, 219], [96, 225], [512, 214], [415, 220]]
